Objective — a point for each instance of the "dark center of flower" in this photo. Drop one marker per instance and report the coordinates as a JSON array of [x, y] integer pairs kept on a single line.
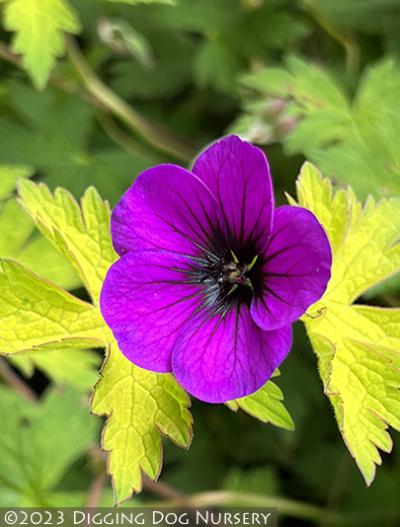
[[228, 278], [234, 274]]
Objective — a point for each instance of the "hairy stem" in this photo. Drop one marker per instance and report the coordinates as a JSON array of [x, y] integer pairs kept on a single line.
[[155, 135]]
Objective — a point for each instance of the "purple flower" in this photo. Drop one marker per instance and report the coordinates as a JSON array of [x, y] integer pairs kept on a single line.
[[211, 276]]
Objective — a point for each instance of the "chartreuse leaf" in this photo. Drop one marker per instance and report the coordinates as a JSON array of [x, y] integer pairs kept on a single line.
[[16, 228], [39, 27], [19, 240], [41, 441], [81, 235], [358, 346], [40, 256], [66, 366], [140, 404], [35, 313], [266, 405]]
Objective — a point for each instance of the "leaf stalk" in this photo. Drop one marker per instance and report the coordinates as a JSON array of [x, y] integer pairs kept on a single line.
[[155, 135]]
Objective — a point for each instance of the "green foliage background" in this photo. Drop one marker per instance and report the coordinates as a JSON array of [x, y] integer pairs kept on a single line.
[[106, 88]]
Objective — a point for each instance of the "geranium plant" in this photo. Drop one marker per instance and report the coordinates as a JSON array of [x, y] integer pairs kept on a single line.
[[175, 271]]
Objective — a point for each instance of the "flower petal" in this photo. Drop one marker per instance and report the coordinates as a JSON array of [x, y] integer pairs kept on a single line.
[[166, 208], [296, 268], [223, 358], [237, 173], [145, 301]]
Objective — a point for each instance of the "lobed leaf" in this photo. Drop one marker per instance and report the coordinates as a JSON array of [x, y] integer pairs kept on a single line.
[[266, 405], [81, 235], [39, 27], [35, 313], [139, 404], [41, 441], [19, 241], [357, 346], [18, 237], [219, 56]]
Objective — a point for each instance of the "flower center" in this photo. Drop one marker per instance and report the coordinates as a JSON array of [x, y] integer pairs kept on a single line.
[[236, 274], [227, 280]]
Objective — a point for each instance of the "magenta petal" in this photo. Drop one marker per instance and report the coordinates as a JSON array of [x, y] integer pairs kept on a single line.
[[210, 277], [296, 268], [237, 173], [223, 358], [145, 301], [166, 208]]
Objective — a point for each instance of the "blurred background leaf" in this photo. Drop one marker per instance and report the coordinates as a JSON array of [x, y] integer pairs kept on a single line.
[[51, 132], [353, 141], [41, 441], [76, 368]]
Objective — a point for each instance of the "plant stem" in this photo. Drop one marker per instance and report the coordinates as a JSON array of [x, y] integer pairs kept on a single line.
[[102, 98], [295, 509], [96, 490], [8, 55], [349, 44], [15, 382], [153, 134], [125, 142], [286, 507], [338, 482], [165, 491]]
